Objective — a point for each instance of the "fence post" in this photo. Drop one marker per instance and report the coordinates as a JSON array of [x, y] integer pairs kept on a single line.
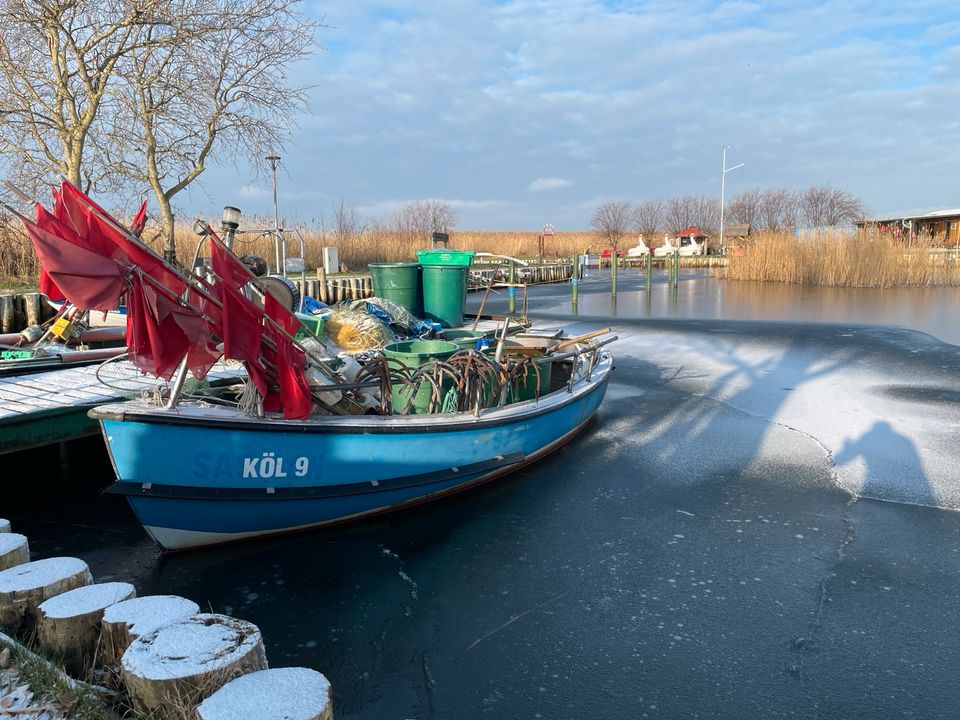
[[512, 291], [575, 279], [649, 269], [614, 263]]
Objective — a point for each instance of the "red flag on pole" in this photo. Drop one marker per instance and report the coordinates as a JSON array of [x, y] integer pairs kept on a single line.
[[139, 220], [295, 398], [87, 278]]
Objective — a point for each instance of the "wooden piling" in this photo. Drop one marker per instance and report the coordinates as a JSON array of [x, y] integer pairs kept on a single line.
[[276, 693], [24, 587], [166, 677], [126, 621], [14, 549], [70, 624]]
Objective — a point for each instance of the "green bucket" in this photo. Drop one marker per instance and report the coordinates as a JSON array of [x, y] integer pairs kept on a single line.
[[397, 282], [445, 293], [528, 389], [464, 339], [415, 354]]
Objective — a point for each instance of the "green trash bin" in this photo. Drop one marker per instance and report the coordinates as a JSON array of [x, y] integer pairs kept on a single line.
[[445, 293], [415, 354], [399, 283], [446, 257]]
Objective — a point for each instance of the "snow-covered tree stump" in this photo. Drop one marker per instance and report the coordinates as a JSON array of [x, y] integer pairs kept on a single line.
[[168, 671], [14, 550], [124, 622], [276, 694], [24, 587], [4, 526], [69, 624]]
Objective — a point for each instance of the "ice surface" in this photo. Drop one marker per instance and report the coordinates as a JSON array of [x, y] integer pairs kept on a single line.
[[277, 694], [198, 644], [40, 573], [84, 600], [145, 614]]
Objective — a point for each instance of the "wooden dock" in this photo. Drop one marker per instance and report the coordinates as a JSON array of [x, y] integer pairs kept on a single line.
[[50, 407]]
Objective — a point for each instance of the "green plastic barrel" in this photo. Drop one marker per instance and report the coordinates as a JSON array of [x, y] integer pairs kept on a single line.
[[415, 354], [445, 293], [397, 282]]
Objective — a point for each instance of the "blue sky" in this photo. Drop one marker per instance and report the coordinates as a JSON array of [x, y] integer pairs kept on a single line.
[[520, 113]]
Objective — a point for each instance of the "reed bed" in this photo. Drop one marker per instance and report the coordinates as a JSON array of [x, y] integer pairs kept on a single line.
[[382, 245], [842, 260]]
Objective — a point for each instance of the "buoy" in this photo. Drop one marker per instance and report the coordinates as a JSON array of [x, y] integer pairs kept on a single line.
[[169, 671], [14, 549], [124, 622], [275, 694], [69, 624], [24, 587]]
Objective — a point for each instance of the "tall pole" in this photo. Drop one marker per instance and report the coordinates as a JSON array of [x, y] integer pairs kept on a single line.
[[723, 177], [274, 160]]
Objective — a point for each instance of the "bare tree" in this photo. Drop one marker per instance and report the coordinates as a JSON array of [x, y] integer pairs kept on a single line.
[[779, 210], [825, 206], [345, 222], [745, 208], [211, 87], [648, 218], [705, 213], [58, 60], [679, 213], [613, 221], [422, 218]]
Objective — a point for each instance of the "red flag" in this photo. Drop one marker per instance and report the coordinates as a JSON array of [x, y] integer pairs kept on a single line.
[[139, 220], [295, 395], [241, 326], [87, 279], [226, 265], [49, 288]]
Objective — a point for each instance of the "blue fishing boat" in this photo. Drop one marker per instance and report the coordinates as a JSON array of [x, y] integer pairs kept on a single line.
[[313, 434], [199, 475]]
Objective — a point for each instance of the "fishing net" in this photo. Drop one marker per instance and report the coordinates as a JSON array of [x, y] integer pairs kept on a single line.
[[356, 330]]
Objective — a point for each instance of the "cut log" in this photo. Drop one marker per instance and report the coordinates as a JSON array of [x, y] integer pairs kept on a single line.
[[124, 622], [277, 694], [169, 671], [14, 550], [4, 526], [69, 625], [24, 587]]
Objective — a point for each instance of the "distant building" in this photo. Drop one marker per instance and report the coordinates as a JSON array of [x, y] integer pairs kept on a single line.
[[942, 226]]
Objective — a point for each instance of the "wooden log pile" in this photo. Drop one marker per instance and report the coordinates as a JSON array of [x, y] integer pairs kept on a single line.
[[168, 660]]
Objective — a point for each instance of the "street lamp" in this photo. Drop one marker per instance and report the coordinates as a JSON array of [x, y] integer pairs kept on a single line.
[[723, 177]]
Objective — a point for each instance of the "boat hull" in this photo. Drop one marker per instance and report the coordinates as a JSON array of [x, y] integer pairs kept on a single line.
[[202, 480]]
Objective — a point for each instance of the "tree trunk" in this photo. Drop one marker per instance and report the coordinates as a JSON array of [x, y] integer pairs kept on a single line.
[[167, 672], [298, 693], [14, 550], [169, 225], [126, 621], [24, 587], [69, 625]]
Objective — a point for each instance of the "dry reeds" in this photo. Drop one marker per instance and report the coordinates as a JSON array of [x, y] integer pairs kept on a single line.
[[842, 260]]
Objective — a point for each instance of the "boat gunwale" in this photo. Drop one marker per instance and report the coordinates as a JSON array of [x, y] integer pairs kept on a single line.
[[213, 417]]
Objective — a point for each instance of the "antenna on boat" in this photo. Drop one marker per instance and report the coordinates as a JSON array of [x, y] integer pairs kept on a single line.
[[274, 160]]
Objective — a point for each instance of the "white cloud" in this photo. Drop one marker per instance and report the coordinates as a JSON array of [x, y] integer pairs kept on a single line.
[[548, 183]]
